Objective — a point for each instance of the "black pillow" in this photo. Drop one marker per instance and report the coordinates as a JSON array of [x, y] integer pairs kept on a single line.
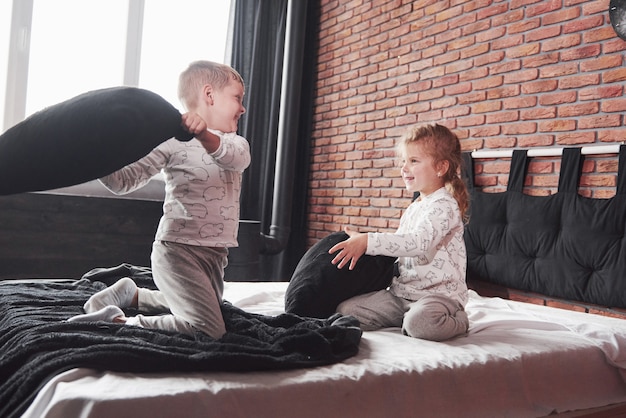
[[84, 138], [317, 286]]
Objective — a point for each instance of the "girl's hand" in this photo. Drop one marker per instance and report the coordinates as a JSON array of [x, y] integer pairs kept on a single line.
[[350, 250]]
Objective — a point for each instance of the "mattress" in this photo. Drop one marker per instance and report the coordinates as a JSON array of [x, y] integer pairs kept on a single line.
[[517, 360]]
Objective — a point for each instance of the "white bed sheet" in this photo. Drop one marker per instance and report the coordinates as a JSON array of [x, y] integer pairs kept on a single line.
[[518, 360]]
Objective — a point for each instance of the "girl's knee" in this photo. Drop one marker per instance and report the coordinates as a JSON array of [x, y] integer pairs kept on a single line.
[[435, 321], [345, 308]]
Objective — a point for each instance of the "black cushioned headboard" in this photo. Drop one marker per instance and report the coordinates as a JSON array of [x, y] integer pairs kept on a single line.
[[564, 245]]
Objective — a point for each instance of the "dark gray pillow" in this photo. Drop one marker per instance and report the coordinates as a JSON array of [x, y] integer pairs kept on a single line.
[[317, 286], [84, 138]]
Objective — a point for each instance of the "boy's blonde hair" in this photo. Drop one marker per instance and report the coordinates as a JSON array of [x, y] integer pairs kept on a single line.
[[442, 145], [200, 73]]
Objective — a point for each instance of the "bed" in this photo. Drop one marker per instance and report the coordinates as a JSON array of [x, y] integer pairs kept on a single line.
[[518, 359]]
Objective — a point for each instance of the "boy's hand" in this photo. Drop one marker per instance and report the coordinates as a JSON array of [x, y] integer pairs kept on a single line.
[[194, 124], [350, 250]]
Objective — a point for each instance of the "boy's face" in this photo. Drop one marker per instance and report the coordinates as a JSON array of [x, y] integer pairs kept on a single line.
[[227, 107]]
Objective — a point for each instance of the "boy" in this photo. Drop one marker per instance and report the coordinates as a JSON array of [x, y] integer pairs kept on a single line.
[[200, 211]]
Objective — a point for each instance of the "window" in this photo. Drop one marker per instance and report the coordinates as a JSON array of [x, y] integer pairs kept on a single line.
[[176, 33], [75, 46], [68, 47], [5, 25], [51, 51]]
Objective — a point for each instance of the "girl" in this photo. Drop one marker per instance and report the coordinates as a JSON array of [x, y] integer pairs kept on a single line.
[[428, 294]]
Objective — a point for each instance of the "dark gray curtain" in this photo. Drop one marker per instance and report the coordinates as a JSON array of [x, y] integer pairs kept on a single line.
[[257, 53]]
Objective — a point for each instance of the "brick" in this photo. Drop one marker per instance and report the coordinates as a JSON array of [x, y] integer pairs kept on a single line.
[[579, 81], [526, 26], [505, 67], [484, 131], [508, 18], [558, 70], [599, 34], [543, 8], [431, 94], [456, 111], [540, 60], [539, 86], [535, 141], [508, 41], [503, 117], [476, 27], [562, 42], [602, 63], [588, 51], [613, 135], [614, 45], [429, 116], [446, 80], [491, 34], [521, 76], [575, 138], [597, 181], [488, 106], [460, 43], [601, 121], [557, 98], [500, 142], [520, 297], [434, 51], [457, 89], [542, 33], [547, 179], [474, 74], [540, 167], [520, 102], [474, 51], [475, 5], [443, 103], [541, 113], [377, 223], [487, 83], [585, 24], [602, 92], [608, 312], [519, 128], [557, 125], [432, 73], [560, 16], [613, 76], [448, 36], [471, 120], [502, 92], [578, 109]]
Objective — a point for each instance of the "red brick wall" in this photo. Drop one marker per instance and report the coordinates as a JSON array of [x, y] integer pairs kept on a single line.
[[501, 74]]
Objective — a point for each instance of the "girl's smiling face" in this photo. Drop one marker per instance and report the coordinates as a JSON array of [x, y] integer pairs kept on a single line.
[[419, 171]]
